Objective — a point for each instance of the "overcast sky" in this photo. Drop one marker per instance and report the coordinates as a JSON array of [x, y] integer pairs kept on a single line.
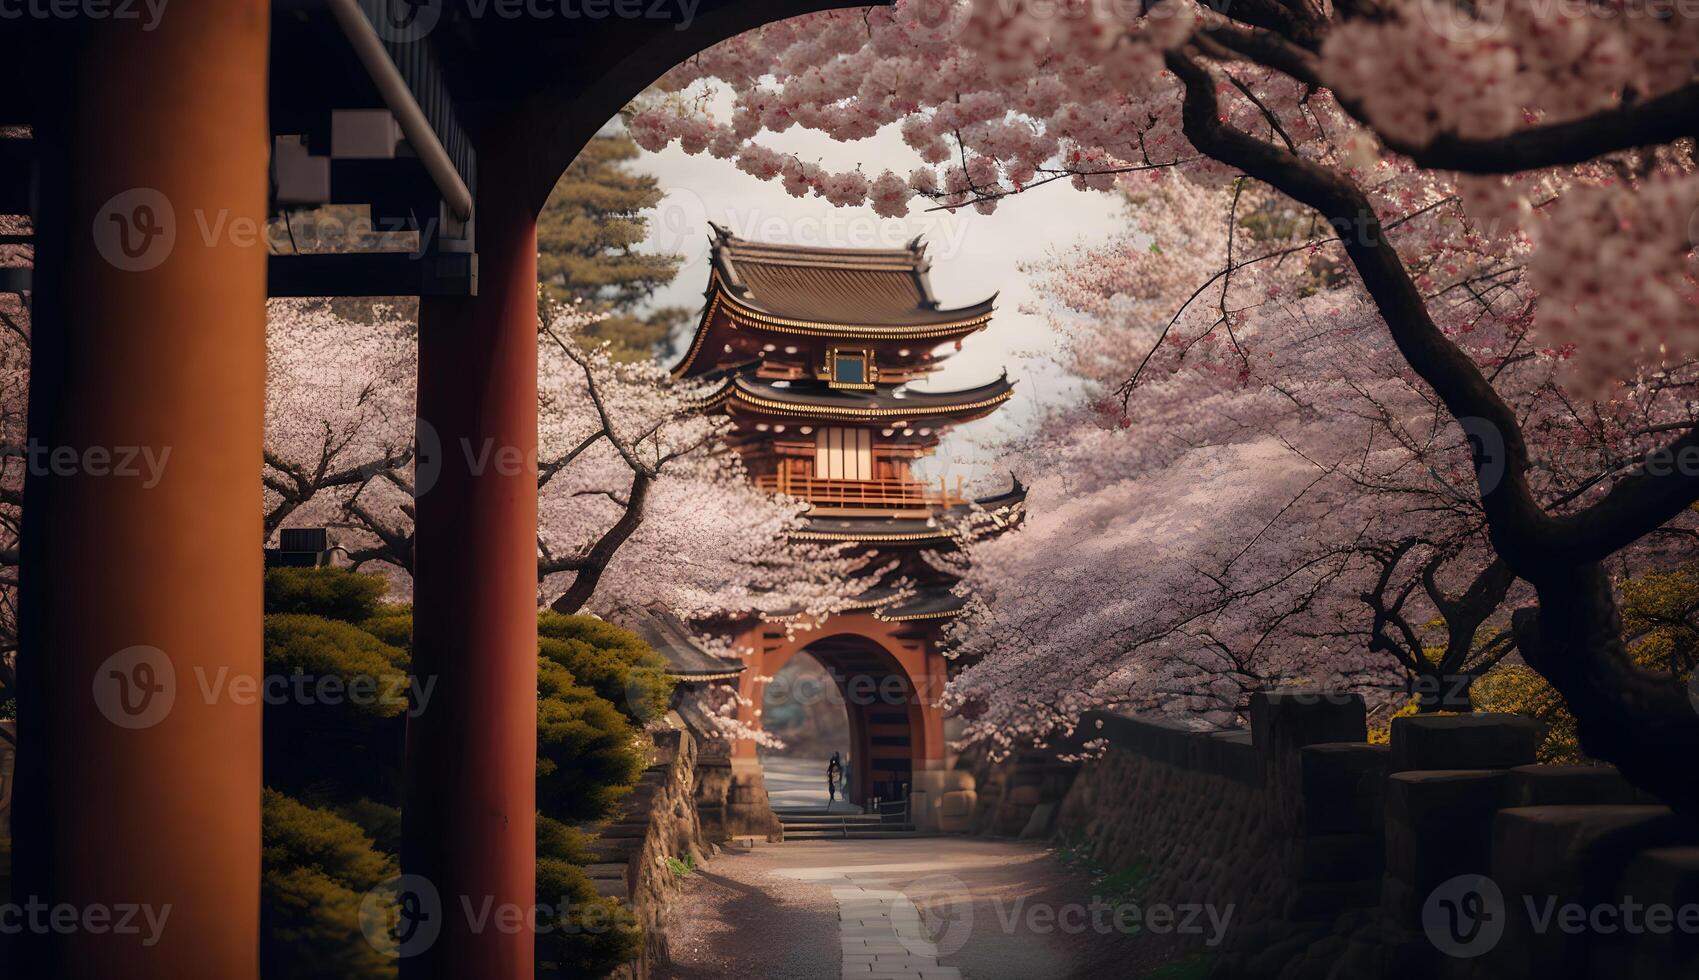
[[972, 255]]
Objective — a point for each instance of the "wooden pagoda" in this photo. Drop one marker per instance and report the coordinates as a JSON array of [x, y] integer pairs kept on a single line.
[[816, 348]]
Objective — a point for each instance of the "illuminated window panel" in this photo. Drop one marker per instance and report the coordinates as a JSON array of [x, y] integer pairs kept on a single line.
[[850, 368], [843, 454]]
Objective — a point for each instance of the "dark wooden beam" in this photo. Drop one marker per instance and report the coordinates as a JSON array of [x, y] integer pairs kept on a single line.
[[374, 274], [17, 159]]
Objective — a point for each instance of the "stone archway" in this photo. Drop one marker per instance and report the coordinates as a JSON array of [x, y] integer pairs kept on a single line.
[[889, 676]]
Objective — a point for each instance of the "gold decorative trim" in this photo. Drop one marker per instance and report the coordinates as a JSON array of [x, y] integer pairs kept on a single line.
[[701, 329], [729, 675], [808, 411], [940, 535], [716, 399], [944, 614], [869, 369]]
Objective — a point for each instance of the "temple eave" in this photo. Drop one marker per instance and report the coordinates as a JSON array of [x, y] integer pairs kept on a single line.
[[873, 405]]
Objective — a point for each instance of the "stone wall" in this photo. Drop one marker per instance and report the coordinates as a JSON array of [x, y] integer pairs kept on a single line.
[[730, 793], [1434, 856], [658, 822]]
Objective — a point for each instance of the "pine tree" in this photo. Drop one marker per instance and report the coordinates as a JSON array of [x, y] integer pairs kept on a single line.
[[585, 240]]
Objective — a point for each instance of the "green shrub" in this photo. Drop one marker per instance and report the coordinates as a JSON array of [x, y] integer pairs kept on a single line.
[[325, 745], [392, 624], [614, 661], [590, 935], [318, 647], [332, 828], [588, 754], [379, 822], [332, 592], [317, 869]]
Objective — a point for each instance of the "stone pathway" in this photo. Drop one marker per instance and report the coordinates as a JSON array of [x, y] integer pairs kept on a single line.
[[910, 908], [883, 936]]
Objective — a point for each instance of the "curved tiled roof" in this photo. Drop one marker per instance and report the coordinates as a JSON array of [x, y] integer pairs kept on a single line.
[[936, 602], [870, 287], [672, 638]]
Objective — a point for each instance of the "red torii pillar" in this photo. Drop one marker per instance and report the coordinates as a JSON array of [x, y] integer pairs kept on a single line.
[[141, 584], [469, 826]]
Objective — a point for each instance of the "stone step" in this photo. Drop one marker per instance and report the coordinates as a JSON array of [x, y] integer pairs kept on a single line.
[[852, 835], [895, 828], [609, 852]]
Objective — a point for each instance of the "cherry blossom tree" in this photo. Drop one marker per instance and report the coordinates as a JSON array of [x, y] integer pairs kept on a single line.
[[639, 499], [1289, 503], [1436, 148]]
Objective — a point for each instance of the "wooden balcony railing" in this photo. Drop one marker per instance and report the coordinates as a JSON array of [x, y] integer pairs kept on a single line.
[[893, 494]]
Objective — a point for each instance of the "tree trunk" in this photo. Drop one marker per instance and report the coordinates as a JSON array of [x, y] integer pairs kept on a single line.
[[1645, 724]]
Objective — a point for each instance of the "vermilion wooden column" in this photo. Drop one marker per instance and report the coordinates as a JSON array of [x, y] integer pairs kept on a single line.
[[141, 573], [470, 812]]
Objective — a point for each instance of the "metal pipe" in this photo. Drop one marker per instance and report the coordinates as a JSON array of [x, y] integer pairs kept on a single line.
[[368, 47]]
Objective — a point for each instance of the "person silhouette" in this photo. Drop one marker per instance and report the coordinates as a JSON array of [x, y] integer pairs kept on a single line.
[[834, 776]]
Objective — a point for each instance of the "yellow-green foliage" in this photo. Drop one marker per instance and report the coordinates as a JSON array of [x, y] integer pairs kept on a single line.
[[1382, 734], [592, 934], [331, 831], [1660, 616], [380, 822], [318, 868], [392, 624], [1659, 611], [1512, 689], [610, 659], [588, 754], [333, 592], [297, 644], [1519, 690]]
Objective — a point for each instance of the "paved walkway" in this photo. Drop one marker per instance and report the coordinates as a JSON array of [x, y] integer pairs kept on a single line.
[[913, 908], [882, 935], [798, 782]]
